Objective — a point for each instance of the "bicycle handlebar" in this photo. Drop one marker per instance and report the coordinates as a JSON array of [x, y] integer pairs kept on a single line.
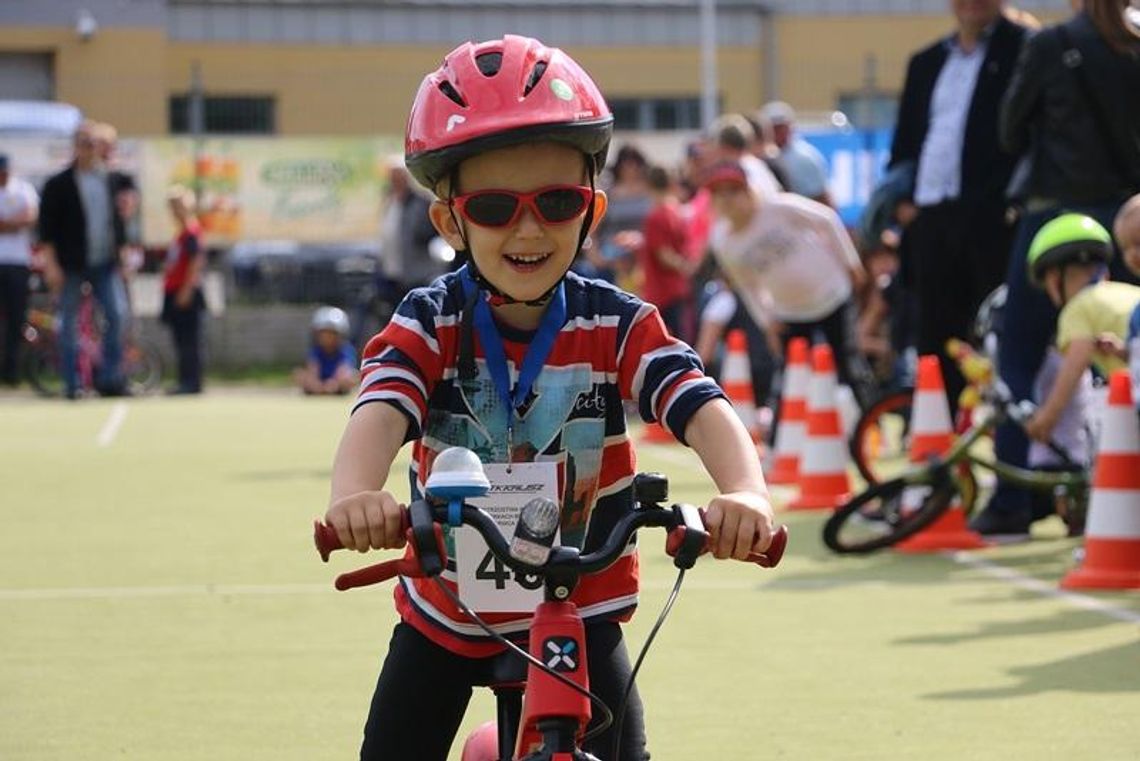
[[688, 538]]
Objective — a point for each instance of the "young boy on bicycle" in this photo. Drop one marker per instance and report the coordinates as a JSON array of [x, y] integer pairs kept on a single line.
[[1068, 258], [524, 362]]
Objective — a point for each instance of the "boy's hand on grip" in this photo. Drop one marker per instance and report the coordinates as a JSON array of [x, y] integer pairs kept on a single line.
[[368, 520], [739, 523]]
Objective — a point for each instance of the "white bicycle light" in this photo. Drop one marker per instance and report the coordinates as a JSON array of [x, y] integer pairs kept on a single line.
[[534, 533]]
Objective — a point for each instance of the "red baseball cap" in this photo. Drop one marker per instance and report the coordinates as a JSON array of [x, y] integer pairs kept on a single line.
[[725, 172]]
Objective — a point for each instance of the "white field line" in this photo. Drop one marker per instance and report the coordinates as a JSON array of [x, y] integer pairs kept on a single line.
[[1045, 589], [114, 422]]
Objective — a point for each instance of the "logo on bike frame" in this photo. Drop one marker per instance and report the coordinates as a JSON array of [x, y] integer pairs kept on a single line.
[[561, 653]]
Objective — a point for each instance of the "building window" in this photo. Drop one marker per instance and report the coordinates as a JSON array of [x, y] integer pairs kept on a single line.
[[227, 114], [647, 114]]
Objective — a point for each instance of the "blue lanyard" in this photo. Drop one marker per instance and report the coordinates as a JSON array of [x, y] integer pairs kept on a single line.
[[534, 359]]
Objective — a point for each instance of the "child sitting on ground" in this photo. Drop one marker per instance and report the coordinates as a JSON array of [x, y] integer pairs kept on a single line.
[[331, 364], [1068, 258]]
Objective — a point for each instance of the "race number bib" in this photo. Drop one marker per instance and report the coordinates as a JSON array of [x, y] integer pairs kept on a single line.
[[485, 584]]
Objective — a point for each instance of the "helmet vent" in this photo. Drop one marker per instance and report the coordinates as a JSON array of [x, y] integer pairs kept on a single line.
[[489, 63], [446, 88], [535, 75]]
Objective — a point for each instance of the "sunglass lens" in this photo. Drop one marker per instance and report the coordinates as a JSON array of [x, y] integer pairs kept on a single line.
[[560, 204], [491, 209]]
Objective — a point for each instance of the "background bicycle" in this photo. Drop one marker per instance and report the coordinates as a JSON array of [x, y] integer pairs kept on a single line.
[[142, 362]]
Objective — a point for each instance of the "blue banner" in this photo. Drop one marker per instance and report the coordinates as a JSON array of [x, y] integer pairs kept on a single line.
[[856, 161]]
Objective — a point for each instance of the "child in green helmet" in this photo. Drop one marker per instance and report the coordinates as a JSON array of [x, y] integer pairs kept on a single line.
[[1068, 259]]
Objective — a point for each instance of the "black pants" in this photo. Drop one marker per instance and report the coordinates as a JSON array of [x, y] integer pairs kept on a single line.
[[423, 692], [838, 330], [13, 312], [955, 254], [186, 327]]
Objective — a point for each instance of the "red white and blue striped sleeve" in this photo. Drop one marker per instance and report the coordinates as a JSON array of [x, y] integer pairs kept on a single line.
[[403, 362], [662, 374]]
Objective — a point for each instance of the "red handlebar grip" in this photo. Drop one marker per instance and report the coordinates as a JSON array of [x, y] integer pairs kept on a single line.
[[770, 558], [374, 574], [326, 540]]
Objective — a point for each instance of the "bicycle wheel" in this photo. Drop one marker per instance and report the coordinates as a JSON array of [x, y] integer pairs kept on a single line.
[[142, 368], [42, 368], [881, 437], [887, 513]]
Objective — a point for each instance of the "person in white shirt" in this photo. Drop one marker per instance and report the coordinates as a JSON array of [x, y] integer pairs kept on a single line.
[[793, 265], [19, 208]]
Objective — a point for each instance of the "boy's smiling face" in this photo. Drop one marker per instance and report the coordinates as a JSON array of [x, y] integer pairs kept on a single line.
[[528, 257]]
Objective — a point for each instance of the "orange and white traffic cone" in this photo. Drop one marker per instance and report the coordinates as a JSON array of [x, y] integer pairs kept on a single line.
[[792, 431], [932, 433], [736, 380], [824, 482], [1112, 532], [655, 433]]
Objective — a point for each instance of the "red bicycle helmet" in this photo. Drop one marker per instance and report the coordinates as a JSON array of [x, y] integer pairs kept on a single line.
[[501, 93]]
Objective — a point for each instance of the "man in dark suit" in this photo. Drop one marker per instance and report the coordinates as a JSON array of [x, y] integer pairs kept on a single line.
[[82, 235], [957, 237]]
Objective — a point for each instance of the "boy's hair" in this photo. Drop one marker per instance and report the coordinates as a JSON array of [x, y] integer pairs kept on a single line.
[[183, 195], [659, 178], [733, 131]]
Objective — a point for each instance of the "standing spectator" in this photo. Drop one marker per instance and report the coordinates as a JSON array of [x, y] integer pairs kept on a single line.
[[734, 136], [124, 191], [956, 243], [183, 303], [1073, 104], [793, 265], [665, 257], [406, 231], [19, 207], [82, 236], [618, 235], [802, 165]]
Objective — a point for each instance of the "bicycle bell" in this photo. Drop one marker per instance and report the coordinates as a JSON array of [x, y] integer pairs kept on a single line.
[[457, 474]]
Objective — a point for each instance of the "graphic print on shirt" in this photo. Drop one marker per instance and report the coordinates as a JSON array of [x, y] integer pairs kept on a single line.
[[561, 421]]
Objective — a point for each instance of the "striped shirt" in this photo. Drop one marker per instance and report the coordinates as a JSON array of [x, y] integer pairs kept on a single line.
[[612, 347]]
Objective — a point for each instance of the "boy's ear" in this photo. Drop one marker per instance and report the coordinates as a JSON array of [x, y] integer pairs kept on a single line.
[[445, 224], [601, 203]]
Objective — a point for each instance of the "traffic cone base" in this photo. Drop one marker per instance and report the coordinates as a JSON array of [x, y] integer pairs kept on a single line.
[[1112, 532], [948, 532], [824, 481], [932, 434]]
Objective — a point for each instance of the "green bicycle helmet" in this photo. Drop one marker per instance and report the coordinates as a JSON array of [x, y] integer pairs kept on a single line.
[[1068, 239]]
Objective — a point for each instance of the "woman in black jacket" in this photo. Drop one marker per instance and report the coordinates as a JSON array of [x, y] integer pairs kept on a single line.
[[1073, 107]]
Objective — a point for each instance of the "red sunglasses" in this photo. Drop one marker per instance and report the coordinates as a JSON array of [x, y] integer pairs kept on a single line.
[[554, 205]]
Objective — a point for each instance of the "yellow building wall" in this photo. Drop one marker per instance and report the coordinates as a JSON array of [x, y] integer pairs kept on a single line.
[[126, 76], [354, 91], [117, 76]]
